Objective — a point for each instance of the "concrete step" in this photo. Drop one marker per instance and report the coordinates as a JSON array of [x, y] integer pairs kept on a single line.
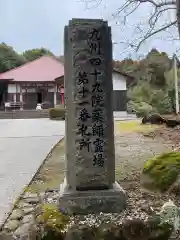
[[25, 114]]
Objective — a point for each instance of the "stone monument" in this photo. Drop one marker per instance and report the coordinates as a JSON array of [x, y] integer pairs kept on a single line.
[[89, 186]]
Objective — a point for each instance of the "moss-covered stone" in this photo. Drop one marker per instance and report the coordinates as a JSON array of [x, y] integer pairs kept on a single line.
[[81, 232], [162, 171], [135, 229]]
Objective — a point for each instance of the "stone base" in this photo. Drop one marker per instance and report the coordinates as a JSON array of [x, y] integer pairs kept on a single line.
[[86, 202]]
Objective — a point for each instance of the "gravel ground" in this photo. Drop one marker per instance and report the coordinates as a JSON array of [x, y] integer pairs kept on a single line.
[[132, 150]]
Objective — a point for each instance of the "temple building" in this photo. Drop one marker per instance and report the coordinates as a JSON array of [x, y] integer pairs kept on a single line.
[[42, 82]]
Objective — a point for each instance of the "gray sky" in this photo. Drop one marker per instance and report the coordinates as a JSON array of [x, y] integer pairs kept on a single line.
[[26, 24]]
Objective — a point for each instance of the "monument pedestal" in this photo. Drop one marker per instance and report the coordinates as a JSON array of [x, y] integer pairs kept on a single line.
[[85, 202]]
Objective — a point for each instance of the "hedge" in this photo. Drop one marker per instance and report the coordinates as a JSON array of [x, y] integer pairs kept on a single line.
[[57, 113]]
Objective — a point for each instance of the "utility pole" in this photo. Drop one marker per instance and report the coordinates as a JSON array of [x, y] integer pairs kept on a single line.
[[176, 83]]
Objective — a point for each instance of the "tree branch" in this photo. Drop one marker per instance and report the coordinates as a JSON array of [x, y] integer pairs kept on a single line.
[[157, 14], [149, 35], [160, 8], [165, 3], [178, 14]]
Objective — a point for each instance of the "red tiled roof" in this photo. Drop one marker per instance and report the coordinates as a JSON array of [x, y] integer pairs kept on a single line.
[[43, 69]]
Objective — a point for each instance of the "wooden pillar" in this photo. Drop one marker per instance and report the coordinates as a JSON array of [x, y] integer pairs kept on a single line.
[[14, 97], [55, 93], [62, 95]]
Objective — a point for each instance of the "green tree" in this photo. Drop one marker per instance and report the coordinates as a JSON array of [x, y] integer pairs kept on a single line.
[[158, 64], [152, 68], [35, 53], [153, 89], [9, 58]]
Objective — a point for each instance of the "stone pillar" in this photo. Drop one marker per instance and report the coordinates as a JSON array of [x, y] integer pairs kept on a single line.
[[90, 181], [55, 98]]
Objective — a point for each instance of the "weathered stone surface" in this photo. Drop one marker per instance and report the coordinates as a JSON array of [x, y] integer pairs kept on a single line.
[[22, 230], [12, 225], [28, 210], [90, 153], [30, 195], [22, 204], [17, 214], [28, 218], [31, 200], [90, 146], [33, 195], [85, 202], [5, 236], [153, 119]]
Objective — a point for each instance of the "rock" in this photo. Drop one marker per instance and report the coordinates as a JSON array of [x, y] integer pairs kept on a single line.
[[30, 195], [135, 229], [50, 190], [175, 188], [24, 205], [33, 195], [161, 172], [172, 123], [32, 200], [81, 232], [153, 119], [17, 214], [159, 231], [23, 230], [147, 209], [5, 236], [28, 218], [50, 200], [27, 231], [12, 225], [109, 231], [56, 196], [28, 210]]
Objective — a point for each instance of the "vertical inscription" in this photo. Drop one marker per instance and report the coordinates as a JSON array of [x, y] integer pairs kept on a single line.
[[89, 94], [97, 97], [83, 116]]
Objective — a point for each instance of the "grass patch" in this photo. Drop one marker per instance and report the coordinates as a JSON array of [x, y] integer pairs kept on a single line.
[[134, 126], [51, 174]]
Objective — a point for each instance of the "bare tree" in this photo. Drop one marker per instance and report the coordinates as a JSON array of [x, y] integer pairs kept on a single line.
[[159, 19], [178, 14]]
